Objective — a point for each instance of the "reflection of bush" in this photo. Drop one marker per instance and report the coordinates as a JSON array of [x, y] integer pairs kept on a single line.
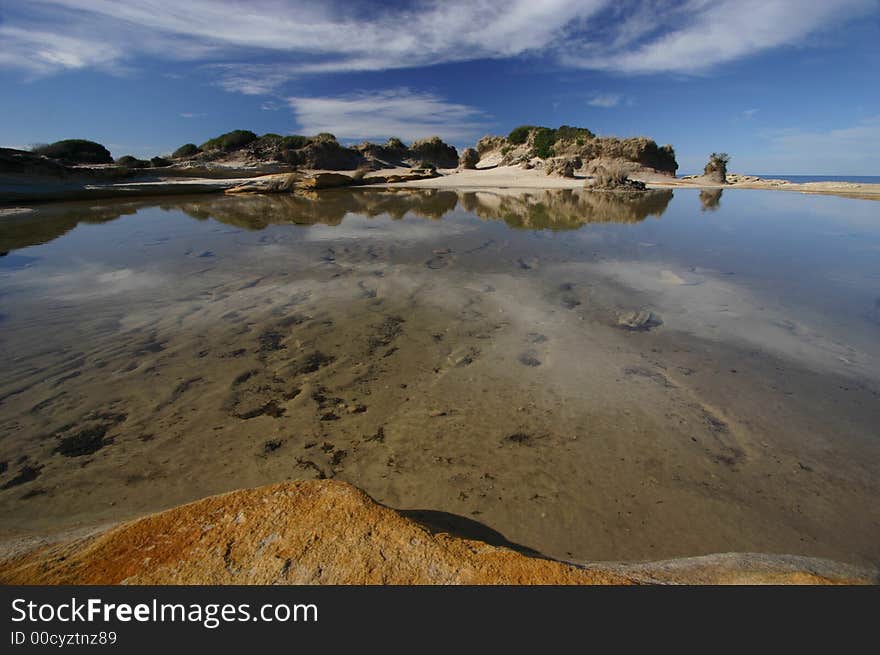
[[710, 199]]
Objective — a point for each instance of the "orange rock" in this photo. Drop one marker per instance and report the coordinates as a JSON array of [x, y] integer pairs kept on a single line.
[[329, 532]]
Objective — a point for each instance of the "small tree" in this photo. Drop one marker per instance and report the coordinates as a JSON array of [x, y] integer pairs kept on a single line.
[[716, 169]]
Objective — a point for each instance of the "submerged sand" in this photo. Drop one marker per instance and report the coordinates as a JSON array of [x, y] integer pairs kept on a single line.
[[442, 368]]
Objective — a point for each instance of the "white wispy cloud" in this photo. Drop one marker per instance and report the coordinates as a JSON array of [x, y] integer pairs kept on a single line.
[[251, 79], [605, 100], [842, 150], [189, 114], [750, 113], [381, 114], [637, 36], [696, 35], [39, 52]]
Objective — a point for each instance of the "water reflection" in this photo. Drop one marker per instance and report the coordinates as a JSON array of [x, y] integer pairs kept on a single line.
[[47, 223], [710, 199], [563, 209]]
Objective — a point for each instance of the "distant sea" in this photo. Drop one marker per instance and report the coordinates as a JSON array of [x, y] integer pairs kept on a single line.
[[857, 179]]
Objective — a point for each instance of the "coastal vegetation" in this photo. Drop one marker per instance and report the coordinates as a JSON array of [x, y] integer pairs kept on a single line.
[[558, 151], [186, 150], [230, 141], [130, 161], [75, 151], [716, 169]]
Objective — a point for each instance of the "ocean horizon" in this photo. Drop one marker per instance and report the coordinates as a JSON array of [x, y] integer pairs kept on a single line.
[[801, 179]]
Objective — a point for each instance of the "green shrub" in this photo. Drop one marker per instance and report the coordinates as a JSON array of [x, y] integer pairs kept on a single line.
[[520, 135], [719, 158], [159, 162], [295, 141], [186, 150], [543, 142], [506, 149], [230, 141], [428, 165], [78, 151], [271, 135], [716, 169], [129, 161], [325, 136], [578, 134]]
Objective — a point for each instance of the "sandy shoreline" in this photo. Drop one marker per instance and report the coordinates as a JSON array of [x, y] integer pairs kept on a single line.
[[21, 190], [518, 178]]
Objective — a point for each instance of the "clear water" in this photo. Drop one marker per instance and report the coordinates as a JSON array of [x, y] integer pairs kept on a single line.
[[593, 376]]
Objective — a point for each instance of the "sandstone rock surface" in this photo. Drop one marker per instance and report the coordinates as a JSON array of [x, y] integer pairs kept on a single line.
[[329, 532]]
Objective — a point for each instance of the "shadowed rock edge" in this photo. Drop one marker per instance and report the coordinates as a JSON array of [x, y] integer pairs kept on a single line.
[[329, 532]]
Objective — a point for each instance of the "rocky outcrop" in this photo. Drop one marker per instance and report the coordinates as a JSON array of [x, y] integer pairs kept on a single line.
[[716, 168], [469, 158], [292, 182], [613, 177], [529, 142], [328, 532], [562, 166], [489, 143], [433, 150], [326, 155]]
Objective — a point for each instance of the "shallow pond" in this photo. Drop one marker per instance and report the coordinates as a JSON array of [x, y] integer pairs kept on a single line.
[[588, 375]]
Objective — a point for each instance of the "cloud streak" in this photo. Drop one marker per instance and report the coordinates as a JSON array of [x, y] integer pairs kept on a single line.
[[379, 115], [634, 37], [605, 100]]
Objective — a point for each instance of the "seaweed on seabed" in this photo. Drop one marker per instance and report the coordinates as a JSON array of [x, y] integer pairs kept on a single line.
[[84, 442]]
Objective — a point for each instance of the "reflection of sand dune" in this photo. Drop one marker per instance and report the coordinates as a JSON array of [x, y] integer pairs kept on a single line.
[[52, 221], [565, 209], [560, 209], [329, 207], [556, 209]]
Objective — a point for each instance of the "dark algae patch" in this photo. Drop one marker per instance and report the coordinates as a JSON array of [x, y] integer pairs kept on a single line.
[[312, 363], [25, 474], [85, 442], [271, 408], [271, 446]]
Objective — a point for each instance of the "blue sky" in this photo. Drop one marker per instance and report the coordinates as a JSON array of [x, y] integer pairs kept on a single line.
[[784, 86]]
